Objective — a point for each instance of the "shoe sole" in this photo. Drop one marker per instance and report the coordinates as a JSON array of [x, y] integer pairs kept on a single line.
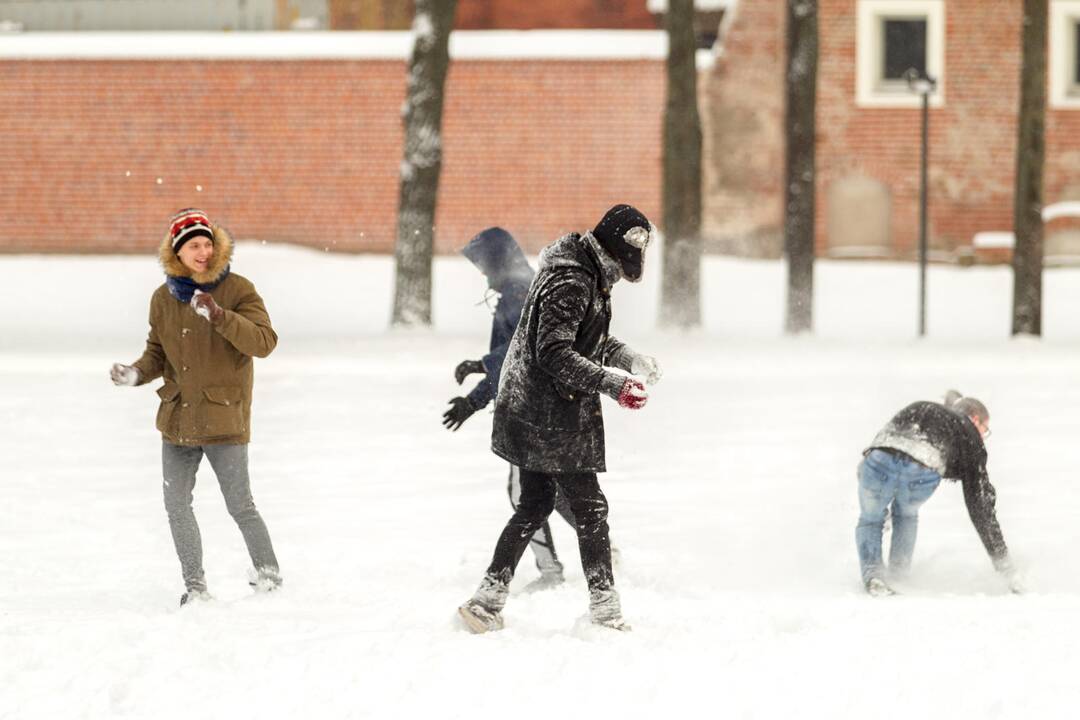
[[474, 624]]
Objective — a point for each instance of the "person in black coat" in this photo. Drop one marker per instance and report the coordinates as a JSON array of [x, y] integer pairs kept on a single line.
[[902, 468], [548, 420], [495, 253]]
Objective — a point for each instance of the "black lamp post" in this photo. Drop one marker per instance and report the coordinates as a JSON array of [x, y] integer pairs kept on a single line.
[[922, 84]]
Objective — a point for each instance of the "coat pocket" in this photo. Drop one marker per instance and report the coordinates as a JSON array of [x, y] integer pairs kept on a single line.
[[223, 412], [170, 399]]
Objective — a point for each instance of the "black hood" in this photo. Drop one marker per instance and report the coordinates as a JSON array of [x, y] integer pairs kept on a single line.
[[497, 255]]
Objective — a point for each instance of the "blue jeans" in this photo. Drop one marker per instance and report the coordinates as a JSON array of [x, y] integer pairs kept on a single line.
[[897, 483]]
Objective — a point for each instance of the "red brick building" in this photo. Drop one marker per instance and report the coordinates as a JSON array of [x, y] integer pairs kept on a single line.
[[868, 122], [297, 137], [500, 15]]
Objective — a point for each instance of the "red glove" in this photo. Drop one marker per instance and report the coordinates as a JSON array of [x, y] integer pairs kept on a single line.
[[204, 305], [633, 395]]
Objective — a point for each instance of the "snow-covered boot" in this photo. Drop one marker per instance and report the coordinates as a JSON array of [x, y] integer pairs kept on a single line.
[[264, 579], [546, 581], [478, 619], [876, 587], [606, 610], [483, 612], [192, 595], [551, 575]]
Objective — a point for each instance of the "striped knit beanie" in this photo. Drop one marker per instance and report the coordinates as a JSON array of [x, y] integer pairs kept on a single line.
[[186, 224]]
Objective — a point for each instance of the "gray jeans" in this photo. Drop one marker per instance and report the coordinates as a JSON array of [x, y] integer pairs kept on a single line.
[[230, 464]]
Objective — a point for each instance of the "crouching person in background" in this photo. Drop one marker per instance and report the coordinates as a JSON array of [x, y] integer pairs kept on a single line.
[[206, 325], [902, 468], [548, 419]]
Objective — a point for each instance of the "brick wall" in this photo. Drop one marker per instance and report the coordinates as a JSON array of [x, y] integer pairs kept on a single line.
[[562, 14], [742, 123], [972, 137], [499, 14], [308, 151]]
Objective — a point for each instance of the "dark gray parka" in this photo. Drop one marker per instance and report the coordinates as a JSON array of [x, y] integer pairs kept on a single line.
[[547, 411]]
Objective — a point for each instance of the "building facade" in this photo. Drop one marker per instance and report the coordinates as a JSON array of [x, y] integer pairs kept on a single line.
[[869, 124], [297, 137]]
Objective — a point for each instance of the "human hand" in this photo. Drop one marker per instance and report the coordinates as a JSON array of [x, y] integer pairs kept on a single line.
[[633, 395], [121, 374], [466, 368], [646, 366], [461, 410], [204, 306]]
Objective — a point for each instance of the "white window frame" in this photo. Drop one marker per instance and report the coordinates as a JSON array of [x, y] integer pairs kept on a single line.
[[869, 36], [1064, 90]]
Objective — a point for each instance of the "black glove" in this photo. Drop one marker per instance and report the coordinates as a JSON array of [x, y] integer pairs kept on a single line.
[[456, 416], [466, 368]]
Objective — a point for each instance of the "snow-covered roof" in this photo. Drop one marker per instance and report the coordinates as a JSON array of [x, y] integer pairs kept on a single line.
[[464, 45]]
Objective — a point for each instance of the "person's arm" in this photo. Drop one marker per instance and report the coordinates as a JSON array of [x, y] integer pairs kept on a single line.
[[484, 392], [561, 309], [503, 327], [248, 327], [980, 498], [152, 363], [618, 354]]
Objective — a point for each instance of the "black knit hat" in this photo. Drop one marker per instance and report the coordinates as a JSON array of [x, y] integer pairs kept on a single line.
[[612, 231]]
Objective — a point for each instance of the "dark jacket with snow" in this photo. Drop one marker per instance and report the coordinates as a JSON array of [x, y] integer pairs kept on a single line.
[[495, 253], [948, 442], [547, 412]]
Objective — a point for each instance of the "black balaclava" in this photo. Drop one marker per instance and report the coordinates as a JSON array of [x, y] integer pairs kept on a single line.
[[611, 232]]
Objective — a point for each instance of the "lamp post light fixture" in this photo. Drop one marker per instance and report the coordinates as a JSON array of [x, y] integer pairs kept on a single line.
[[922, 84]]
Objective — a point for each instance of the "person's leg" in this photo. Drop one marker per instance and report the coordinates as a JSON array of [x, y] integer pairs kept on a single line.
[[877, 487], [542, 543], [178, 467], [230, 463], [917, 483], [590, 508], [562, 507], [535, 503]]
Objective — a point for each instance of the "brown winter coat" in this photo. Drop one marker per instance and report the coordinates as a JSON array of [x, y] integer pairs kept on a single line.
[[206, 398]]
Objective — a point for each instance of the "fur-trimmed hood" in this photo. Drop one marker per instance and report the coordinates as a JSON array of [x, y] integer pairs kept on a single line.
[[223, 249]]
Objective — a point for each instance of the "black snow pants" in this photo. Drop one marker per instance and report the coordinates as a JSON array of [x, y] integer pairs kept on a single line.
[[537, 501]]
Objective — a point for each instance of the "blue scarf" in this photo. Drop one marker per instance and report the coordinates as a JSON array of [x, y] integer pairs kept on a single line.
[[183, 288]]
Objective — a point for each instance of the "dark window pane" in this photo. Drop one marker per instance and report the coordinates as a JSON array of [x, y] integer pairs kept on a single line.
[[1076, 56], [905, 47]]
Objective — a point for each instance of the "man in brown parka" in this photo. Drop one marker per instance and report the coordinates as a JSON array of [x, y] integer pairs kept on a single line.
[[206, 325]]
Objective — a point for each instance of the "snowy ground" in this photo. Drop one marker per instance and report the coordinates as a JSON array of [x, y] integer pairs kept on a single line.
[[732, 494]]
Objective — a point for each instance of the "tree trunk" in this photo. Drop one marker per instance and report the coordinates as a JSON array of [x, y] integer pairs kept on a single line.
[[422, 162], [680, 297], [801, 91], [1030, 153]]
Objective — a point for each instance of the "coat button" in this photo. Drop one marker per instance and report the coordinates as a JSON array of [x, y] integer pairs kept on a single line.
[[226, 402], [185, 331], [183, 404], [184, 368]]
